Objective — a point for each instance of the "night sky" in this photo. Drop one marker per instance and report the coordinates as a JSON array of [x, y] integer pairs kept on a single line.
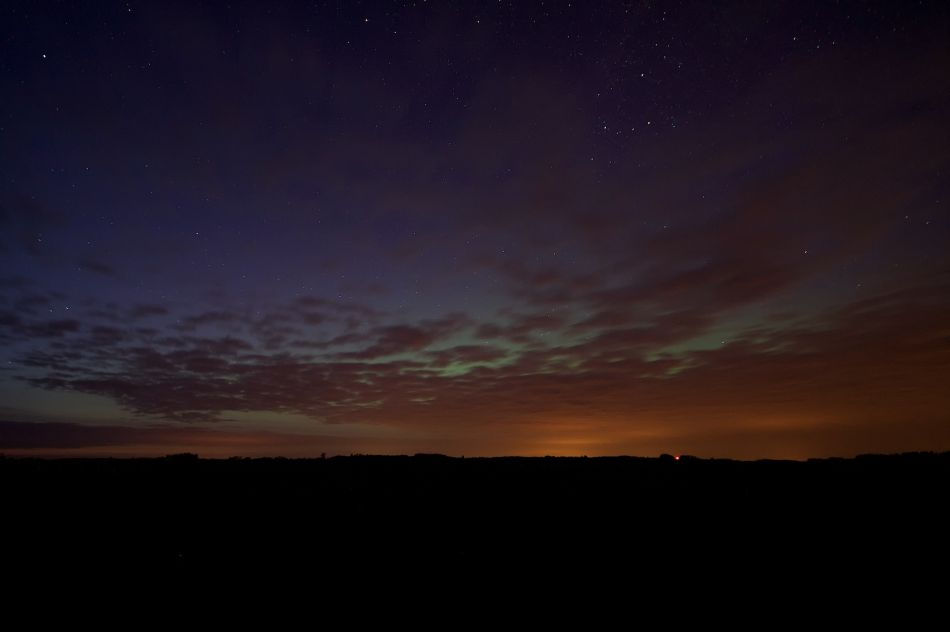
[[476, 228]]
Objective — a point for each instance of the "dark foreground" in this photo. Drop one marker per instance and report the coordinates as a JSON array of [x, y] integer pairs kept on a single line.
[[369, 517]]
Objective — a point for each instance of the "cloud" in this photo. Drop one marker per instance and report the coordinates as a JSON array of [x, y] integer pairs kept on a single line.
[[13, 327], [465, 354], [146, 311], [54, 438], [94, 265], [31, 435], [872, 361], [305, 303], [396, 339]]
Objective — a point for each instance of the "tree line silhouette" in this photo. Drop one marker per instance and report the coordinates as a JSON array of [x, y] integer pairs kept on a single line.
[[184, 515]]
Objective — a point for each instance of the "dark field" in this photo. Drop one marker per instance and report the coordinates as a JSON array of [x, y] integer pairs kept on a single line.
[[192, 518]]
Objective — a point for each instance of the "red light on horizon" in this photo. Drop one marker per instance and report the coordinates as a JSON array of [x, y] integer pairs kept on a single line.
[[677, 457]]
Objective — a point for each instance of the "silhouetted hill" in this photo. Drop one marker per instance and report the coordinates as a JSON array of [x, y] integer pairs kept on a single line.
[[188, 517]]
